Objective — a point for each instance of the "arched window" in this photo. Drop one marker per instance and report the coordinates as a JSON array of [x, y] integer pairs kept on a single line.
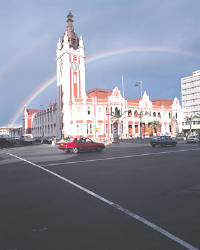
[[88, 110], [135, 113], [117, 112], [159, 115], [154, 114], [129, 113]]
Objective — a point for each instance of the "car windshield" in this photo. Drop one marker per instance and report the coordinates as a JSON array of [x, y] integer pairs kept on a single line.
[[68, 139]]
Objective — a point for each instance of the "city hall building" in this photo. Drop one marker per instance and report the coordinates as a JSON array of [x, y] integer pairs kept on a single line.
[[98, 113]]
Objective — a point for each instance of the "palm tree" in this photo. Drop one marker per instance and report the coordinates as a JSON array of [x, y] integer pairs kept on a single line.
[[116, 116], [189, 120], [175, 125], [155, 125]]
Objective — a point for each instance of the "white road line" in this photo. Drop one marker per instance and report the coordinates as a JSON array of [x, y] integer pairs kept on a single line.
[[116, 206], [118, 157]]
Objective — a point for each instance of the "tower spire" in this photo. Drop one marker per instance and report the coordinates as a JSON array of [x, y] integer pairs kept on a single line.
[[72, 37]]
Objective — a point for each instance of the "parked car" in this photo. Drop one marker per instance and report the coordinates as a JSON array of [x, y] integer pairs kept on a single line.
[[193, 139], [163, 141], [5, 143], [46, 140], [43, 140], [26, 140], [76, 145]]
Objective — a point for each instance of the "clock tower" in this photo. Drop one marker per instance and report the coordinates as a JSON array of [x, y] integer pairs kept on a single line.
[[70, 75]]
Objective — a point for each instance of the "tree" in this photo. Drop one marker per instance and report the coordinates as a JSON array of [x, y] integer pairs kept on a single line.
[[117, 116], [155, 125], [175, 125], [189, 119]]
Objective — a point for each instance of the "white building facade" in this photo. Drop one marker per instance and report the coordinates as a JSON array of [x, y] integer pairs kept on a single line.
[[190, 88], [99, 113]]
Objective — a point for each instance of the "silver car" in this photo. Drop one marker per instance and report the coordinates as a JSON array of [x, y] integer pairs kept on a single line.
[[192, 139]]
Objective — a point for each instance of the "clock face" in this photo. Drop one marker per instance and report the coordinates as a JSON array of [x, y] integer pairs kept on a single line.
[[75, 66]]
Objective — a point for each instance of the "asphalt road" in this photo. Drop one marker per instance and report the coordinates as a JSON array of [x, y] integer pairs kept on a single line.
[[129, 196]]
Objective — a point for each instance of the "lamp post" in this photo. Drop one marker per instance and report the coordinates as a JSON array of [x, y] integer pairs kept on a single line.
[[42, 112]]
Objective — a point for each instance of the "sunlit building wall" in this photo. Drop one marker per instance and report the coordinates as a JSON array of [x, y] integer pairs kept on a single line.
[[190, 88]]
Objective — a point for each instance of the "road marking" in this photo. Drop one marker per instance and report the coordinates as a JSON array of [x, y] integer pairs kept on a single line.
[[115, 205], [118, 157]]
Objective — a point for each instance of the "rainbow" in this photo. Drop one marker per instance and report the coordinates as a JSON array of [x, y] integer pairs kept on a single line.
[[38, 91], [96, 58], [141, 49]]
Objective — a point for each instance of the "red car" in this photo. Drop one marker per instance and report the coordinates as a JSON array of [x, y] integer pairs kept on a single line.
[[80, 144]]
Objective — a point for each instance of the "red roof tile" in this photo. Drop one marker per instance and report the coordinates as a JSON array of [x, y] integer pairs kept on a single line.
[[32, 111], [163, 102], [99, 93], [133, 100]]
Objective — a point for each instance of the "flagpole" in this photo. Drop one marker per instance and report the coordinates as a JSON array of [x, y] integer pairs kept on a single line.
[[122, 86]]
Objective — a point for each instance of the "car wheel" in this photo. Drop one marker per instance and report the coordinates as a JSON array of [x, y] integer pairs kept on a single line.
[[98, 149], [75, 150]]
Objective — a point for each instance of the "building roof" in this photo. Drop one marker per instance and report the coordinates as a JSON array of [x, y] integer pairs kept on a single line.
[[32, 111], [134, 100], [99, 93], [164, 102]]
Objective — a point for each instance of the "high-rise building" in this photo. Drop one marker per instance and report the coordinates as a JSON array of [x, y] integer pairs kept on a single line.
[[190, 88]]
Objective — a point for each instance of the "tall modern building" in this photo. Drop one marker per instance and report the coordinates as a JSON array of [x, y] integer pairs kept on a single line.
[[190, 88]]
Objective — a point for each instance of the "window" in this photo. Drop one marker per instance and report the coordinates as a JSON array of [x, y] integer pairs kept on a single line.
[[169, 116], [77, 129], [99, 111], [135, 113], [154, 114], [89, 129], [117, 112], [88, 110], [129, 113]]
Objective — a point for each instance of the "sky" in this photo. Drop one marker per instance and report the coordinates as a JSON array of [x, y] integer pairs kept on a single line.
[[30, 30]]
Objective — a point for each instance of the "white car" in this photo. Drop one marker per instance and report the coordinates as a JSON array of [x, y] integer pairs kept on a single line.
[[192, 139]]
